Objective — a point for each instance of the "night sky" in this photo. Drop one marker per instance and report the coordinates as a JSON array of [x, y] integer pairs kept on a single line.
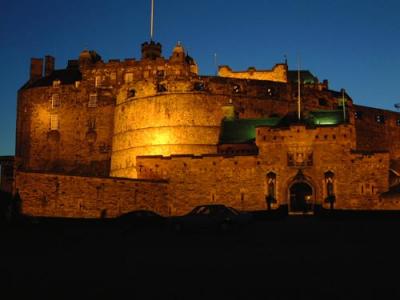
[[353, 44]]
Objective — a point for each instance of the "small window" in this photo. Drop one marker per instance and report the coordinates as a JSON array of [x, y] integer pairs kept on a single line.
[[380, 119], [236, 88], [77, 84], [160, 74], [270, 92], [199, 86], [56, 83], [128, 77], [322, 102], [54, 122], [91, 124], [113, 76], [97, 81], [161, 88], [358, 115], [398, 122], [131, 93], [55, 100], [92, 100]]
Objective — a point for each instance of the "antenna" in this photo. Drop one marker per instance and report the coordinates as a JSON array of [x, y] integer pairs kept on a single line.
[[344, 106], [152, 21], [298, 89], [215, 64]]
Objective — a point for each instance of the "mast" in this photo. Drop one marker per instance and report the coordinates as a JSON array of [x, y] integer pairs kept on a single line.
[[152, 21], [298, 91], [344, 107]]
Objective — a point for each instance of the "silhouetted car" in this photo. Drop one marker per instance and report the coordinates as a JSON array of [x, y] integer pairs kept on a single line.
[[217, 216], [141, 219]]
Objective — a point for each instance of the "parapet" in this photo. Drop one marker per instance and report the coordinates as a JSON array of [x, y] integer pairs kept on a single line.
[[278, 73]]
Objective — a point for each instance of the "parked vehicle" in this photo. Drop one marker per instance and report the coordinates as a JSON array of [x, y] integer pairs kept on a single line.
[[141, 219], [209, 217]]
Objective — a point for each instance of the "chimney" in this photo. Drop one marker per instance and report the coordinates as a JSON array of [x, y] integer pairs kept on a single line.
[[36, 68], [49, 62]]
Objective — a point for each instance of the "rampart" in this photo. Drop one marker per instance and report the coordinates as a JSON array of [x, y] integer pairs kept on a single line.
[[88, 197], [278, 73]]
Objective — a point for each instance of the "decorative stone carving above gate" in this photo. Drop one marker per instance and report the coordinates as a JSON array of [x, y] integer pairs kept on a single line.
[[300, 157]]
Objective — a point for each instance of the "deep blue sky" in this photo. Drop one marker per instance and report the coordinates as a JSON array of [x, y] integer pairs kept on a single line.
[[353, 44]]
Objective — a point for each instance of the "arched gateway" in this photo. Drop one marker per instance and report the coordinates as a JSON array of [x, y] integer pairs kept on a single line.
[[301, 194]]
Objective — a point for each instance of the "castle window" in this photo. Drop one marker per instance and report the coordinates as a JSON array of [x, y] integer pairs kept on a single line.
[[77, 84], [199, 86], [113, 76], [55, 100], [236, 88], [270, 92], [91, 124], [54, 124], [131, 93], [160, 74], [92, 100], [56, 83], [128, 77], [322, 102], [161, 88], [398, 122], [380, 119], [358, 115], [97, 82]]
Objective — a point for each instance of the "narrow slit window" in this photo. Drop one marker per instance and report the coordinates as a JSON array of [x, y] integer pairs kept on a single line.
[[55, 100], [54, 124], [92, 100]]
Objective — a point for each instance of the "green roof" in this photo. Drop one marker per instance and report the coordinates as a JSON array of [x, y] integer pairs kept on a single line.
[[243, 130], [326, 117], [238, 131]]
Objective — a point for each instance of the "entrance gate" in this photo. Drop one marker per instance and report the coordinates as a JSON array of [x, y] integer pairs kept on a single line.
[[301, 198]]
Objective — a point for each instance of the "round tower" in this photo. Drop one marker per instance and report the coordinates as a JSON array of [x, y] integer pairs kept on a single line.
[[176, 120]]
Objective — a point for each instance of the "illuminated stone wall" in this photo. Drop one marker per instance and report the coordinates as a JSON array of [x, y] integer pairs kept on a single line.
[[278, 73], [74, 147], [241, 181], [88, 197]]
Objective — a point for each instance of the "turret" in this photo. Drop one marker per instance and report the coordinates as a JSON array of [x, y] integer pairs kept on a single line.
[[151, 50], [87, 57], [178, 54]]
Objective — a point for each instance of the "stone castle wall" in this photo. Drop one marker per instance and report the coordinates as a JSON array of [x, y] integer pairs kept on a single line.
[[88, 197], [373, 134], [241, 181], [82, 141], [278, 73]]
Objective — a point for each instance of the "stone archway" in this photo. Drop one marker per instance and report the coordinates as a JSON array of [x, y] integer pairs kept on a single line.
[[301, 195]]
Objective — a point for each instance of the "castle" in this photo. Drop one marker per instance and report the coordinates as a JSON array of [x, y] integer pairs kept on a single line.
[[99, 139]]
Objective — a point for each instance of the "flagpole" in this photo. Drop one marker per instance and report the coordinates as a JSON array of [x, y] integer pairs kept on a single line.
[[298, 90], [344, 107], [152, 21]]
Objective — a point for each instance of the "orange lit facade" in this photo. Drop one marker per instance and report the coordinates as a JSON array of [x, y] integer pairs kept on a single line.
[[102, 138]]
